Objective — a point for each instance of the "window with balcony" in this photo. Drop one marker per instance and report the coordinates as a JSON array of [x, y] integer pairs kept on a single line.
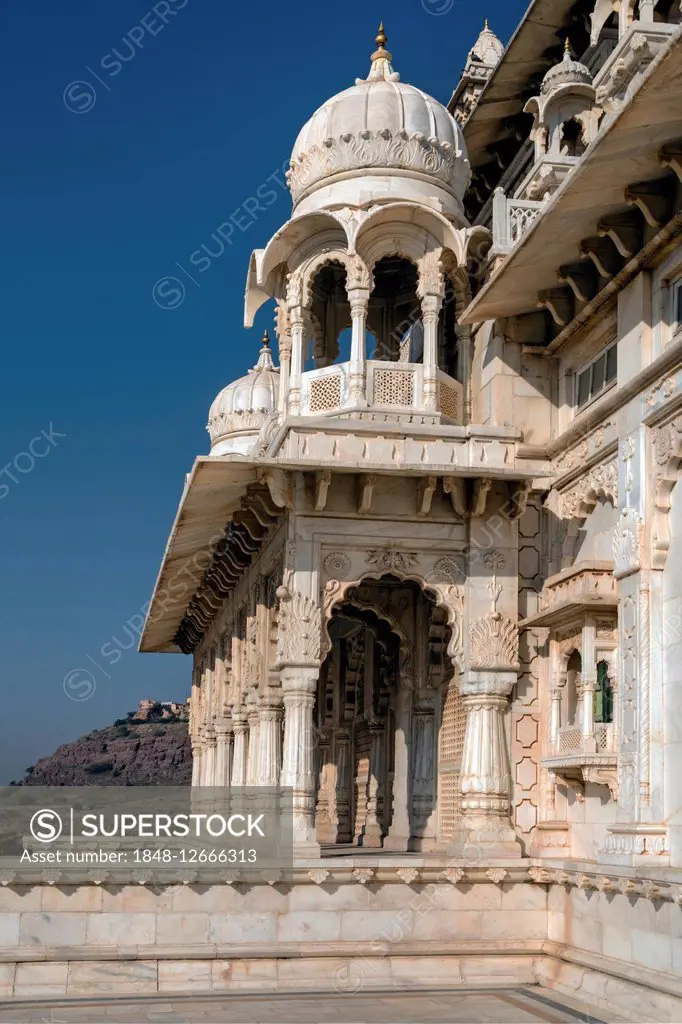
[[603, 695], [597, 377], [572, 142]]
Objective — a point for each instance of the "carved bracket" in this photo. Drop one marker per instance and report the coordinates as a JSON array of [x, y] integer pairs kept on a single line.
[[280, 486], [667, 451]]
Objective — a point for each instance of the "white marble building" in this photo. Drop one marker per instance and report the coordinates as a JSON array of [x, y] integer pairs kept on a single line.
[[431, 571]]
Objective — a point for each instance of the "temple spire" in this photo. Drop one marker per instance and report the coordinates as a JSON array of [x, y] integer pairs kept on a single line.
[[381, 60], [265, 355]]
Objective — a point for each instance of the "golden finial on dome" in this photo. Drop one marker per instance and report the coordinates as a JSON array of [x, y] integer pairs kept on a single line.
[[381, 53], [266, 339], [568, 52], [486, 27]]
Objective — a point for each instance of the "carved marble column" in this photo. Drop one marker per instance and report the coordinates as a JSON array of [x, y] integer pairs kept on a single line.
[[299, 684], [297, 318], [299, 654], [208, 759], [240, 728], [283, 330], [372, 832], [431, 291], [556, 698], [485, 827], [398, 837], [269, 761], [254, 728], [197, 770], [223, 730], [431, 306], [359, 301], [587, 736], [343, 786]]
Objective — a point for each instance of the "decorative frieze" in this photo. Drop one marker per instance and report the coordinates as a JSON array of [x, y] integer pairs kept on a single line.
[[387, 559]]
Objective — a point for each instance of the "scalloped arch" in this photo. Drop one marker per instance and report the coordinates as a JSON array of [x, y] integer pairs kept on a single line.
[[446, 596]]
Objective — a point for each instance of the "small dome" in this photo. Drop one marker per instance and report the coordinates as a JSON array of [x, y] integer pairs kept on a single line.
[[487, 48], [567, 72], [240, 410], [385, 132]]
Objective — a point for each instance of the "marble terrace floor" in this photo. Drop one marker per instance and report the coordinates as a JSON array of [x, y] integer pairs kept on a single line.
[[499, 1006]]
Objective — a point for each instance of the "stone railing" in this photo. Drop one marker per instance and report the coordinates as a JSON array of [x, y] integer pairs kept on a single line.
[[389, 386], [511, 219], [570, 740]]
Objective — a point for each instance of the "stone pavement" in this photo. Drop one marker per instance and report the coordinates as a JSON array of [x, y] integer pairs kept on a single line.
[[511, 1006]]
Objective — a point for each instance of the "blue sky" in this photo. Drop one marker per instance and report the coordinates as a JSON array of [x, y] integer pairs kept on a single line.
[[116, 167]]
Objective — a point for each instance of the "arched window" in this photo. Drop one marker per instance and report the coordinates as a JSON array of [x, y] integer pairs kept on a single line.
[[330, 315], [394, 317], [571, 143], [603, 696]]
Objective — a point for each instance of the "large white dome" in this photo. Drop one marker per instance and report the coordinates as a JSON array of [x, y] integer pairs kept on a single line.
[[381, 128], [241, 408]]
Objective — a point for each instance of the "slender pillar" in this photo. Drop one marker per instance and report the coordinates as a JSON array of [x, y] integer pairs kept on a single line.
[[196, 763], [359, 301], [398, 837], [208, 760], [431, 306], [465, 356], [556, 696], [485, 827], [284, 351], [269, 762], [223, 729], [372, 832], [240, 728], [299, 683], [297, 342], [342, 787], [252, 754], [588, 740]]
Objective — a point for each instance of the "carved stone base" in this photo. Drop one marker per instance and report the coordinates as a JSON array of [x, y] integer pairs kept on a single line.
[[371, 837], [396, 843], [551, 839], [477, 839]]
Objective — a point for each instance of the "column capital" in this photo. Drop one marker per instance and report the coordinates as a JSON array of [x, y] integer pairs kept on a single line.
[[487, 683], [299, 680], [224, 727], [239, 720], [358, 300], [431, 306]]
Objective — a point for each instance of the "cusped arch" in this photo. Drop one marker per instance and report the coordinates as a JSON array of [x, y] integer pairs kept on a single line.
[[296, 240], [446, 596], [603, 10], [407, 230], [303, 278]]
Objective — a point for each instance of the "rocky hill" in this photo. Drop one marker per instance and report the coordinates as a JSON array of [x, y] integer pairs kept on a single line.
[[140, 750]]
